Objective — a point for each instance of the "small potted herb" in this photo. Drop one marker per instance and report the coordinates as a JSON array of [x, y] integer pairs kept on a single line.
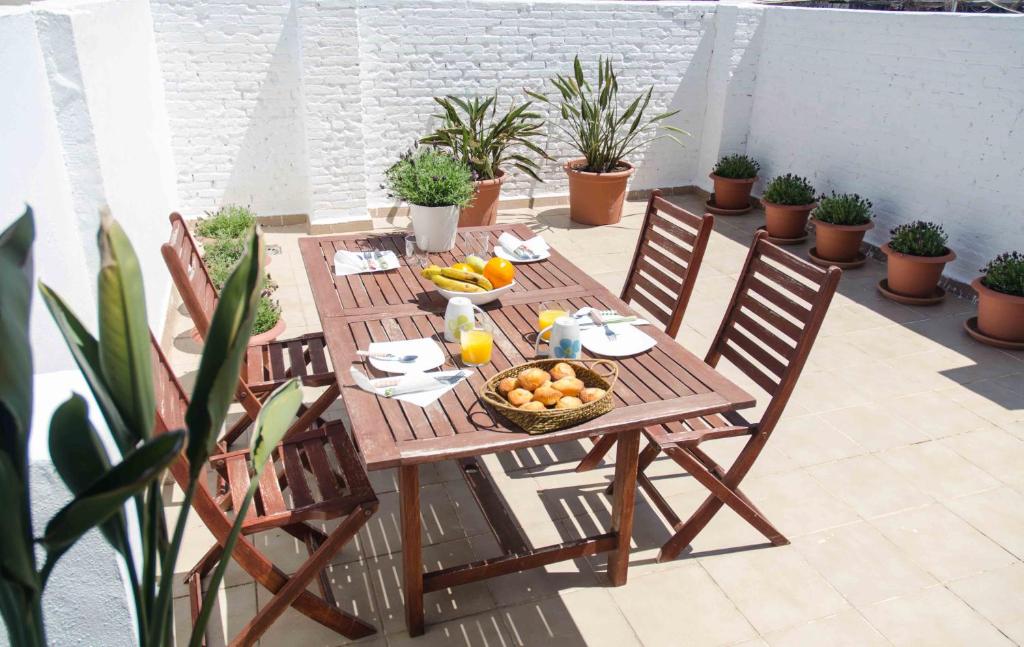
[[917, 254], [473, 132], [788, 200], [734, 176], [605, 133], [221, 256], [1001, 298], [840, 222], [436, 186]]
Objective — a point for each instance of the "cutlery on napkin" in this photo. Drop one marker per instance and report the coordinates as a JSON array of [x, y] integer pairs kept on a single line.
[[523, 249], [346, 262], [421, 389]]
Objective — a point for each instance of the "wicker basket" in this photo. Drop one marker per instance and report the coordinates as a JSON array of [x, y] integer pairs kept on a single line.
[[539, 422]]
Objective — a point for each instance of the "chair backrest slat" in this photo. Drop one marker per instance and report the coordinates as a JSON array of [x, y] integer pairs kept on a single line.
[[185, 263], [668, 255], [772, 321]]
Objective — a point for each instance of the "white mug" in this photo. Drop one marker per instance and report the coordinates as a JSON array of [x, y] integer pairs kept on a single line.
[[565, 339], [458, 315]]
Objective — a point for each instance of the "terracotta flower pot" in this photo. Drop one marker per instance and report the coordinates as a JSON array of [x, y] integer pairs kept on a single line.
[[839, 242], [732, 193], [914, 276], [483, 210], [786, 220], [1000, 315], [270, 335], [596, 198]]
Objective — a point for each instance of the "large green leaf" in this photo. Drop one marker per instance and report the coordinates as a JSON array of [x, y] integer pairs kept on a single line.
[[85, 349], [106, 496], [16, 355], [230, 327], [17, 562], [78, 455], [124, 330], [273, 421]]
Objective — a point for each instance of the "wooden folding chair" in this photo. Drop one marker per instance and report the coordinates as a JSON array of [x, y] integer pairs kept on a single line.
[[661, 277], [324, 478], [767, 333], [266, 366]]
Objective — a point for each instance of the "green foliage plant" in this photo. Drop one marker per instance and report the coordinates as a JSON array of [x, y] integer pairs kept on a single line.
[[594, 122], [843, 209], [430, 178], [229, 222], [221, 255], [919, 238], [737, 167], [116, 364], [789, 189], [1005, 273], [472, 131]]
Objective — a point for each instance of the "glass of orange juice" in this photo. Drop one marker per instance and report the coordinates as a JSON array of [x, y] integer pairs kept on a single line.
[[477, 340], [549, 311]]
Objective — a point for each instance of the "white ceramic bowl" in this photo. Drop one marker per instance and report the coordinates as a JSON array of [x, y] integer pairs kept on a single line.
[[478, 298]]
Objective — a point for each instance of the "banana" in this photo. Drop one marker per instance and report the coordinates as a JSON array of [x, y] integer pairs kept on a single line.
[[467, 277], [454, 285], [430, 271]]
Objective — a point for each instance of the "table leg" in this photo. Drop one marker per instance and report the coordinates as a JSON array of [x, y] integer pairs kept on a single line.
[[412, 547], [627, 457]]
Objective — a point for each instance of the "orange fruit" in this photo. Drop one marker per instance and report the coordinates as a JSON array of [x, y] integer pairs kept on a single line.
[[463, 267], [499, 272]]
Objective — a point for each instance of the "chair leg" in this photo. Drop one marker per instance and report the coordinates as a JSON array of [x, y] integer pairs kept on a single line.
[[596, 453], [723, 492], [294, 586]]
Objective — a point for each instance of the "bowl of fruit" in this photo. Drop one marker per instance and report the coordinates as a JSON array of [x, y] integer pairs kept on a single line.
[[474, 279]]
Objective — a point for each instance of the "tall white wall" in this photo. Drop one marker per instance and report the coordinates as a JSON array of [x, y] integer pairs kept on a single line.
[[922, 113]]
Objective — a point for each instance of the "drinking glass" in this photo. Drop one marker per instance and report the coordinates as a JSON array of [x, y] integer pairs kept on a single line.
[[414, 256], [549, 311], [477, 340], [478, 243]]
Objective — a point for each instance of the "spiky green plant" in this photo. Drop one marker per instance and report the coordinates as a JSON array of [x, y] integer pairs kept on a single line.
[[471, 130], [596, 125], [117, 366], [843, 209], [919, 238], [737, 167], [1005, 273]]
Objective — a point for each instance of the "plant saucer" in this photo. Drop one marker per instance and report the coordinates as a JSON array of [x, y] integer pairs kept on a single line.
[[971, 326], [844, 265], [710, 207], [935, 298], [784, 241]]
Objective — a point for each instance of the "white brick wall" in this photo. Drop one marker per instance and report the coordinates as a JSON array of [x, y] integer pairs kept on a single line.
[[299, 106]]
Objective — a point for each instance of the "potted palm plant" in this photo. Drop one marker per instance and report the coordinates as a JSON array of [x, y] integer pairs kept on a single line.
[[734, 176], [436, 186], [604, 134], [472, 132], [917, 254], [1001, 298], [788, 200], [840, 222]]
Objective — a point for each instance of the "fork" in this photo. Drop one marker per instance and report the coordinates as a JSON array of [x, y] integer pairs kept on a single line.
[[387, 357], [595, 316]]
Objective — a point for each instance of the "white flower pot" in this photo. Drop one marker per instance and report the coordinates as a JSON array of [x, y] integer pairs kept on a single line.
[[434, 227]]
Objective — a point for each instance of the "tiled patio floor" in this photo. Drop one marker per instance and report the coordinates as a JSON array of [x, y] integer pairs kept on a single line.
[[898, 474]]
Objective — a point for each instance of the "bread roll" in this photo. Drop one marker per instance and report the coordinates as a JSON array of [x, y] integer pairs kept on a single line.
[[532, 405], [508, 384], [569, 386], [591, 394], [547, 395], [560, 370], [519, 397], [569, 402], [532, 378]]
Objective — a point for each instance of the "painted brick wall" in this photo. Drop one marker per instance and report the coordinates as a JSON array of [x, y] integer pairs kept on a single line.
[[922, 113]]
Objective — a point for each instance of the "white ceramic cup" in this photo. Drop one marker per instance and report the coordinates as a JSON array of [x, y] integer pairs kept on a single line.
[[565, 339], [457, 315]]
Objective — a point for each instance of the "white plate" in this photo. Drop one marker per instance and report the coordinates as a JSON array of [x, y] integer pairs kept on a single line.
[[478, 298], [429, 355], [629, 340], [500, 252]]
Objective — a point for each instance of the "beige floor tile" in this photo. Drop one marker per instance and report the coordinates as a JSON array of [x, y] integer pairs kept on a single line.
[[938, 470], [936, 414], [997, 452], [999, 514], [797, 504], [480, 630], [585, 618], [235, 607], [932, 617], [725, 533], [868, 485], [873, 427], [663, 609], [862, 564], [774, 588], [847, 628], [382, 534], [942, 543], [999, 596], [810, 440]]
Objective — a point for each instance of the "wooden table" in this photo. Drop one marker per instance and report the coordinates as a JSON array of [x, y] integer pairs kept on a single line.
[[666, 384]]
